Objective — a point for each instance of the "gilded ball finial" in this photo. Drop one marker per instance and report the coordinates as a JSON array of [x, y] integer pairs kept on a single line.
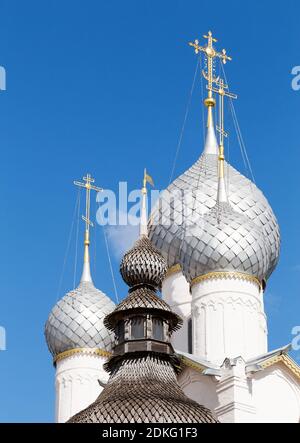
[[210, 102]]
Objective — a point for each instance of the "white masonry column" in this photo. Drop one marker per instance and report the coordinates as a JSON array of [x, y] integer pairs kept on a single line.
[[77, 383], [176, 292], [228, 318], [234, 394]]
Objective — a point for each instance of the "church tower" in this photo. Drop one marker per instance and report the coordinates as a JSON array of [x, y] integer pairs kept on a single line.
[[221, 241], [143, 385], [76, 336]]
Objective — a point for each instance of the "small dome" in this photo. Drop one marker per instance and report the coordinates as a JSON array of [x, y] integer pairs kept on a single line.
[[76, 321], [195, 193], [224, 240], [143, 264]]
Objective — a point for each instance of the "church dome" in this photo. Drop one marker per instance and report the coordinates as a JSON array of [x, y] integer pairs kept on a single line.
[[143, 264], [224, 240], [76, 321], [193, 194]]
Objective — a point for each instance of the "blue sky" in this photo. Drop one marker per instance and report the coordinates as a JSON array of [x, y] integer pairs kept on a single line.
[[102, 87]]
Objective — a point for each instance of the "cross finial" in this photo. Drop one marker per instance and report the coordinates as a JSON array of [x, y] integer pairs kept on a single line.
[[222, 91], [210, 53], [87, 184], [88, 180]]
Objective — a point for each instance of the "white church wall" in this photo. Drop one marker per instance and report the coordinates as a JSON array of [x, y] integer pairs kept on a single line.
[[198, 387], [76, 383], [269, 396], [228, 319], [276, 394], [176, 292]]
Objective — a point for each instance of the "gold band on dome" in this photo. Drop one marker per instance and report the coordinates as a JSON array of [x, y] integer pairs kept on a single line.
[[173, 269], [226, 275], [83, 351]]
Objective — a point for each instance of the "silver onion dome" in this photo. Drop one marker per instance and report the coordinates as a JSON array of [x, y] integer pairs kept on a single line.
[[193, 194], [76, 321], [224, 240], [143, 264]]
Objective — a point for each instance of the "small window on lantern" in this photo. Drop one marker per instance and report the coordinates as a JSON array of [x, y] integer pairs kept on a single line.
[[137, 328], [120, 331], [157, 329]]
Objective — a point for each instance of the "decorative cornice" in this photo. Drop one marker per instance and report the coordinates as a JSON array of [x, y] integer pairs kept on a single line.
[[173, 270], [286, 360], [192, 364], [81, 351], [226, 275]]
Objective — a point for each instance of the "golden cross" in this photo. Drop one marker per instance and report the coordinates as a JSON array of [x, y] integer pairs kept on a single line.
[[222, 90], [88, 187], [210, 54]]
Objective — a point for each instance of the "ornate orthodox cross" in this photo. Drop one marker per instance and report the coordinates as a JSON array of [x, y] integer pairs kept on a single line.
[[88, 180], [210, 54], [222, 90]]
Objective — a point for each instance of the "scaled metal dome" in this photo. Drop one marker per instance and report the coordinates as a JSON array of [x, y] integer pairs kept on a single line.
[[76, 321], [224, 240], [195, 194], [143, 264], [192, 194]]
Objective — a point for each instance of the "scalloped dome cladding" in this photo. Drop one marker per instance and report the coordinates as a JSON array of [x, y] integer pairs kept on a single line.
[[201, 180], [144, 389], [143, 264], [224, 241], [76, 321]]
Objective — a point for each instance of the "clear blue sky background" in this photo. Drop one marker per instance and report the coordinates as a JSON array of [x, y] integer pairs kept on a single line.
[[102, 87]]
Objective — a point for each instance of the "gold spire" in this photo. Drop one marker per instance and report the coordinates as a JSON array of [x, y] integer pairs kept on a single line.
[[210, 54], [88, 180], [143, 222]]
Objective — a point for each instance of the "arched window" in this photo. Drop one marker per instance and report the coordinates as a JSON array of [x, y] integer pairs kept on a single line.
[[157, 329], [190, 336], [137, 327]]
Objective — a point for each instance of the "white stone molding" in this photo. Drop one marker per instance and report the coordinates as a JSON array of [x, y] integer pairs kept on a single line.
[[235, 402]]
